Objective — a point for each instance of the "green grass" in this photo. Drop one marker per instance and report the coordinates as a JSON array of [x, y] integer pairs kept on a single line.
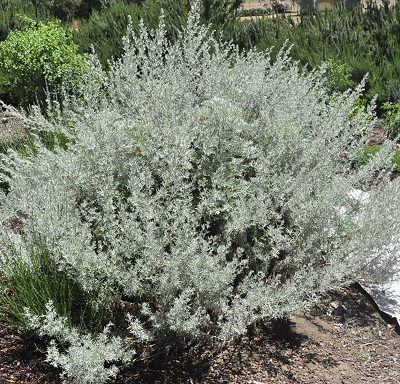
[[396, 160], [30, 283]]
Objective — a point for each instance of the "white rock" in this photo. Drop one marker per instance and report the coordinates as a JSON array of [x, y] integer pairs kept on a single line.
[[386, 296], [359, 195]]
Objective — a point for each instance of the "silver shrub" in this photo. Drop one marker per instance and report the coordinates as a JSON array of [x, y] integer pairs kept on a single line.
[[205, 187], [83, 361]]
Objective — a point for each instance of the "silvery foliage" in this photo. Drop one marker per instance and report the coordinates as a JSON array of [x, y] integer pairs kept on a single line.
[[83, 362], [205, 186]]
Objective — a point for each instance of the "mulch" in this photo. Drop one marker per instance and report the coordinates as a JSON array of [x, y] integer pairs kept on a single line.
[[21, 361]]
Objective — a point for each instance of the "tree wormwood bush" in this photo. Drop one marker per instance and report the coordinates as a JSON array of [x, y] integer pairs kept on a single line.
[[202, 192]]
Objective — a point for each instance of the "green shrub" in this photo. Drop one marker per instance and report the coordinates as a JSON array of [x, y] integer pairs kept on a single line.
[[62, 9], [396, 161], [368, 152], [202, 192], [338, 75], [220, 13], [87, 7], [40, 57], [104, 30]]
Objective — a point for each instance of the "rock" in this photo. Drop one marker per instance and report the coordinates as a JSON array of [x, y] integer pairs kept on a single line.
[[387, 299], [359, 195]]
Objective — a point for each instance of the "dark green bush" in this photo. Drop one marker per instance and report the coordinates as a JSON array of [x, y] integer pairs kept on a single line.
[[367, 41], [105, 27], [220, 13], [62, 9], [104, 30], [9, 15]]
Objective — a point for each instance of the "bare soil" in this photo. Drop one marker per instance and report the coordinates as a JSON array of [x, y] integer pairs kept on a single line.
[[343, 340]]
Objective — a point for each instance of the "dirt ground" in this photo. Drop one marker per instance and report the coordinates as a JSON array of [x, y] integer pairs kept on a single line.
[[342, 341]]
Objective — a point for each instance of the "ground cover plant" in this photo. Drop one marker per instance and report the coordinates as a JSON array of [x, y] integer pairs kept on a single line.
[[198, 192], [370, 151], [392, 116]]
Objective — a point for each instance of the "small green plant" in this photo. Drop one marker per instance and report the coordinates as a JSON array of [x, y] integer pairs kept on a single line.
[[40, 58], [392, 115], [361, 105], [368, 152], [338, 75], [396, 160]]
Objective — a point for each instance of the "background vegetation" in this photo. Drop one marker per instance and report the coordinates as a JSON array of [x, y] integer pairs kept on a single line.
[[365, 41]]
